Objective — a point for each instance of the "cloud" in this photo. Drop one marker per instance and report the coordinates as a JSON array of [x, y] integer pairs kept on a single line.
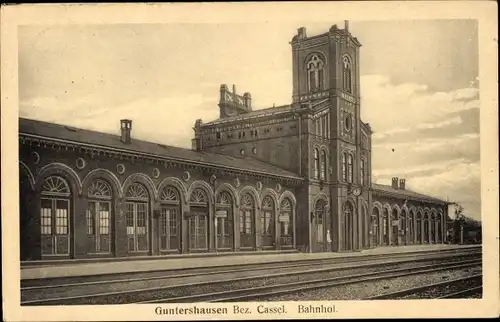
[[389, 106], [455, 120], [166, 120], [429, 138]]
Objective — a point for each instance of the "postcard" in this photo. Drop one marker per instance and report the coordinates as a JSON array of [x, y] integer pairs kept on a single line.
[[235, 161]]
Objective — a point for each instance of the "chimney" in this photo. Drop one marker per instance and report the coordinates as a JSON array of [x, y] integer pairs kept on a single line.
[[223, 90], [247, 99], [126, 128], [402, 184], [302, 33], [197, 142], [346, 24], [394, 182]]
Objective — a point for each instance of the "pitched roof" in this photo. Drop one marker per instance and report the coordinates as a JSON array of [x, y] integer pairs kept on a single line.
[[257, 113], [76, 135], [404, 193]]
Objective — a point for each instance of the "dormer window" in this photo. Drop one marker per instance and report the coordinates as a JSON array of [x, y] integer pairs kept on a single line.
[[347, 74], [316, 73]]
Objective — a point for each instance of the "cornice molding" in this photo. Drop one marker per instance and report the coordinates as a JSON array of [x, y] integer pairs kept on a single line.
[[142, 157]]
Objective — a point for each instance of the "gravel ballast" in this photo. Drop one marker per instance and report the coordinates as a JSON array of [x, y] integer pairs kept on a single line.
[[364, 290]]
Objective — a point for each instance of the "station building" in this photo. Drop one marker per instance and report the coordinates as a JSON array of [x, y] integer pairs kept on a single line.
[[289, 178]]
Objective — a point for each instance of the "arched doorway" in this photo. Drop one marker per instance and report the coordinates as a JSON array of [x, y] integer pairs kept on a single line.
[[426, 228], [348, 226], [99, 217], [403, 229], [224, 221], [385, 227], [198, 221], [267, 229], [137, 215], [432, 236], [411, 227], [375, 224], [247, 212], [170, 222], [439, 238], [363, 227], [55, 217], [29, 228], [319, 225], [419, 228], [285, 220], [395, 227]]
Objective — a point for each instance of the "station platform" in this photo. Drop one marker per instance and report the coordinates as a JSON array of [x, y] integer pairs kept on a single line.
[[79, 268]]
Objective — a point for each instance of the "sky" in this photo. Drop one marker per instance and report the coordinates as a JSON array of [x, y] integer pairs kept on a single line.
[[419, 86]]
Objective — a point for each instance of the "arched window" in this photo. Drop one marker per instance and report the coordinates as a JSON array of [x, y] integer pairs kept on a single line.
[[315, 72], [349, 167], [170, 219], [323, 165], [198, 220], [347, 74], [55, 216], [328, 125], [224, 220], [285, 220], [344, 166], [137, 217], [316, 163], [247, 211], [319, 211], [99, 217], [362, 172], [267, 222]]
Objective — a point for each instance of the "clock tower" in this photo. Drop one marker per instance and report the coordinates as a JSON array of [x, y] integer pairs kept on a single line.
[[337, 142]]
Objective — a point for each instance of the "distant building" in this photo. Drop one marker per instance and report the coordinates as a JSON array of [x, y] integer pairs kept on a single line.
[[289, 177]]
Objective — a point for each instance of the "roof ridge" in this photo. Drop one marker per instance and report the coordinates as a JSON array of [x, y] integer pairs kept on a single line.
[[76, 135], [407, 190]]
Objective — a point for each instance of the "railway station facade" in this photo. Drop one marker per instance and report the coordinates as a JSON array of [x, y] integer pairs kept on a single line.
[[287, 178]]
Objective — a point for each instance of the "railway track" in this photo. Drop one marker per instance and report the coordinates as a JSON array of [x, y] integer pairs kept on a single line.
[[57, 282], [261, 293], [191, 291], [456, 288]]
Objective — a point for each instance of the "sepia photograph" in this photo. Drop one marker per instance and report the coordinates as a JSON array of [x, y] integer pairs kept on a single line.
[[202, 167]]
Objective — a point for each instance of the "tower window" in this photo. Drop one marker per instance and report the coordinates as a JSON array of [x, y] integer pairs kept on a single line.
[[347, 74], [316, 74], [349, 167], [348, 123], [323, 166], [362, 172], [218, 136], [316, 163], [344, 166]]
